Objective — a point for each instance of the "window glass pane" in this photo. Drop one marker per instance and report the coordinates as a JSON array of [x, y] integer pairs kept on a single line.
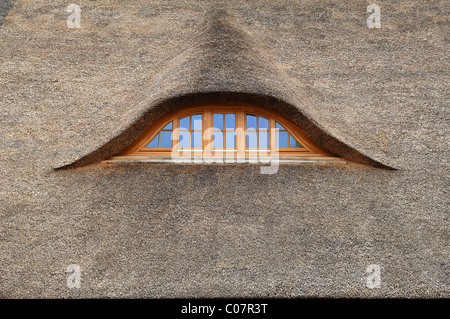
[[252, 141], [263, 123], [230, 140], [168, 126], [218, 121], [278, 126], [166, 139], [264, 139], [184, 139], [197, 139], [217, 139], [184, 123], [154, 142], [197, 122], [251, 122], [282, 139], [230, 121], [293, 142]]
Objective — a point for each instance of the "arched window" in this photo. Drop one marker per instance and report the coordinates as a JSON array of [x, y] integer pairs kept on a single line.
[[223, 132]]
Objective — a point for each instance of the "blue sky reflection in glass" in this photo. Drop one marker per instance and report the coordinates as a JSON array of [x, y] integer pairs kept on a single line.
[[224, 131], [257, 133]]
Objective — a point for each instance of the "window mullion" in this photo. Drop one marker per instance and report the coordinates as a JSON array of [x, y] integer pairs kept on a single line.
[[240, 133], [191, 146], [176, 135]]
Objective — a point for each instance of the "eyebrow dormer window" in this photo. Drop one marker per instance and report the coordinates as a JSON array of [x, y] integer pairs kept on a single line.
[[223, 132]]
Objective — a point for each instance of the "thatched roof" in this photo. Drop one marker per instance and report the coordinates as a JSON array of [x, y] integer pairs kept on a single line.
[[72, 97]]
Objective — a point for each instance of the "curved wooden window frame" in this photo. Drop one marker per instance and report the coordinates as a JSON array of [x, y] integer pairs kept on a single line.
[[309, 152]]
